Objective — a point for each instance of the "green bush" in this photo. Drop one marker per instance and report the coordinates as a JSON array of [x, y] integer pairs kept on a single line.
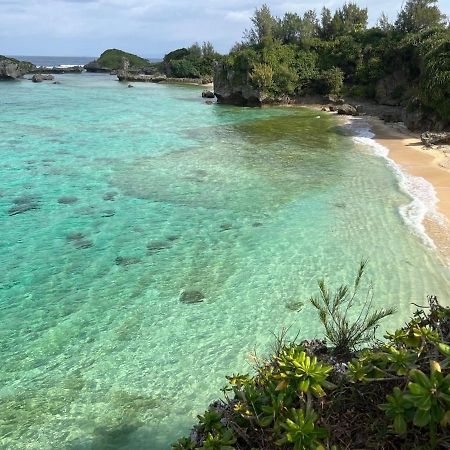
[[392, 394]]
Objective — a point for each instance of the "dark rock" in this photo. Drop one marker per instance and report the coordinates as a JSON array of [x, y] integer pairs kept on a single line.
[[347, 110], [257, 224], [75, 236], [108, 213], [24, 199], [68, 200], [12, 69], [155, 246], [57, 70], [140, 77], [207, 94], [173, 237], [96, 67], [226, 226], [38, 78], [235, 88], [429, 138], [19, 209], [109, 196], [191, 296], [83, 243], [56, 82], [130, 86], [127, 260], [325, 108], [390, 89]]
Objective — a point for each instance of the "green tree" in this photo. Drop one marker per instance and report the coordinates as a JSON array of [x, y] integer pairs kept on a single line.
[[289, 28], [383, 23], [349, 19], [419, 15], [264, 26], [326, 30]]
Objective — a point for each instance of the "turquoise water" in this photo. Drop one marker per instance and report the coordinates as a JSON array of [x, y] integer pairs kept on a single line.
[[248, 206]]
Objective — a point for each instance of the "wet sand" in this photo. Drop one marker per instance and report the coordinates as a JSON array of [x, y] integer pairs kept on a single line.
[[406, 149]]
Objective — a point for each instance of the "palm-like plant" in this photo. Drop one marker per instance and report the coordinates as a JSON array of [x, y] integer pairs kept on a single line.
[[334, 312]]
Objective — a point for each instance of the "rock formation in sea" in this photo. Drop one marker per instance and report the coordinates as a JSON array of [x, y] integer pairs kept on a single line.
[[13, 69], [58, 70], [235, 88], [38, 78], [113, 60]]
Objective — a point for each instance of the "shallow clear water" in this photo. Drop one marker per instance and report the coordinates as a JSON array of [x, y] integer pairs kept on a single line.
[[252, 206]]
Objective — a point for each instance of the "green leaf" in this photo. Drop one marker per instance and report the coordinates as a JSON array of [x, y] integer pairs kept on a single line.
[[400, 424], [421, 418]]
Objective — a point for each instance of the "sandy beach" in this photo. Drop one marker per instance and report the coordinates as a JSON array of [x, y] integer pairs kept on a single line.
[[406, 149]]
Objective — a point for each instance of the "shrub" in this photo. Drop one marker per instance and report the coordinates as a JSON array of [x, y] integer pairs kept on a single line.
[[335, 309], [296, 401]]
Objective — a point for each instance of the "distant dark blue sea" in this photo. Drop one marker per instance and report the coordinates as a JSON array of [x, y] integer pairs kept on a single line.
[[61, 60], [55, 60]]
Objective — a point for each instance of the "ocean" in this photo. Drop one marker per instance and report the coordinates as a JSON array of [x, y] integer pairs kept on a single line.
[[116, 202]]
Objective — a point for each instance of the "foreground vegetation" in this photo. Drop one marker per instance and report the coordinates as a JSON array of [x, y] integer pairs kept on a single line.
[[355, 392]]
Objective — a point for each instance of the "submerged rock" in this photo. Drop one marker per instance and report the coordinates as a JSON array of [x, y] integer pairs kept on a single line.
[[127, 260], [83, 243], [173, 237], [158, 245], [25, 199], [207, 94], [226, 226], [257, 224], [108, 213], [19, 209], [109, 196], [75, 236], [67, 200], [191, 296]]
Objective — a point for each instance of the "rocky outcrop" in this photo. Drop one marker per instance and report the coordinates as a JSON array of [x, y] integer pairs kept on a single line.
[[38, 78], [347, 110], [234, 88], [12, 69], [113, 59], [429, 138], [96, 67], [124, 75], [58, 70], [139, 77], [390, 90], [207, 94]]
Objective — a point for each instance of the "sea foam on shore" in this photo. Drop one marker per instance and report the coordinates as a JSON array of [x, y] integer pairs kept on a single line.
[[423, 195]]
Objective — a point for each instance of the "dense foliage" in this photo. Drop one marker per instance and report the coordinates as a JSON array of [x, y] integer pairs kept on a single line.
[[393, 394], [407, 61], [113, 59], [193, 62]]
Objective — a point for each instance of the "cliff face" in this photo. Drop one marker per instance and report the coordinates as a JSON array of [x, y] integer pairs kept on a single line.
[[234, 88], [12, 69]]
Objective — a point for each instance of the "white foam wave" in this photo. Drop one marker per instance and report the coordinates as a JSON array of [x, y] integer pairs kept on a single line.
[[423, 196]]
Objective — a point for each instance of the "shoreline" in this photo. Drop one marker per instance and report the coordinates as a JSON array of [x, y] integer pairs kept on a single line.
[[406, 150]]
